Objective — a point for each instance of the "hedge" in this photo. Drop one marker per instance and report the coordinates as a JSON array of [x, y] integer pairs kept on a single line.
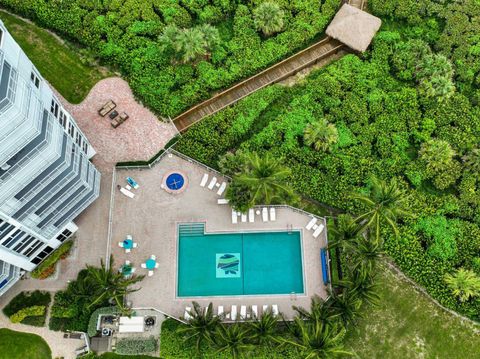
[[47, 267], [25, 300], [136, 345], [36, 310], [92, 324]]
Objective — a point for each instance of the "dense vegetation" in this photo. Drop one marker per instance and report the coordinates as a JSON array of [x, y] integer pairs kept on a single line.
[[408, 110], [94, 288], [17, 345], [71, 70], [136, 36], [28, 308]]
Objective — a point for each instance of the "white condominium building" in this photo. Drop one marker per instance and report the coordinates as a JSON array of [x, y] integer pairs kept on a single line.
[[46, 177]]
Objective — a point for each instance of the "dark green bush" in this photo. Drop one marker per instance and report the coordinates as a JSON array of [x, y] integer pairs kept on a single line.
[[25, 300]]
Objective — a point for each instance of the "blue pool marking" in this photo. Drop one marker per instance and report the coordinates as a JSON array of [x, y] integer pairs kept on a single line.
[[175, 181]]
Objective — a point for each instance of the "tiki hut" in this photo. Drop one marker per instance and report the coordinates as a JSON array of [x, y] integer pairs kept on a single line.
[[354, 27]]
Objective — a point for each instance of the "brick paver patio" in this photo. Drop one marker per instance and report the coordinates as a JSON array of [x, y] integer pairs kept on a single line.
[[138, 138]]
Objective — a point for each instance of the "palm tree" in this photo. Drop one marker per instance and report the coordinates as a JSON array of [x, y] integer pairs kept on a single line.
[[364, 254], [233, 338], [321, 135], [319, 340], [268, 18], [465, 284], [109, 284], [436, 154], [344, 230], [202, 325], [320, 310], [190, 44], [264, 330], [346, 305], [363, 285], [472, 160], [265, 178], [386, 202]]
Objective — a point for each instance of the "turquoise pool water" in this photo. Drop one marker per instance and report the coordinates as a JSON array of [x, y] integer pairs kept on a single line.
[[238, 263]]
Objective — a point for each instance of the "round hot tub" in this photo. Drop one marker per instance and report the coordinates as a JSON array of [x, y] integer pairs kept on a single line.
[[174, 182]]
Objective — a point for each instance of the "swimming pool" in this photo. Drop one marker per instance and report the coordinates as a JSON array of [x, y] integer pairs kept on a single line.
[[260, 263]]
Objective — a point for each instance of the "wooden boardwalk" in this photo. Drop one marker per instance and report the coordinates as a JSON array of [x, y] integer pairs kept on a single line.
[[325, 48]]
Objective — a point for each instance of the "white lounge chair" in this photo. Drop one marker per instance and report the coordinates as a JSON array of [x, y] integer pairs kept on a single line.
[[310, 224], [212, 183], [264, 308], [254, 311], [128, 250], [243, 312], [273, 214], [127, 193], [222, 201], [264, 214], [233, 312], [150, 273], [251, 215], [275, 310], [129, 236], [234, 217], [187, 315], [157, 265], [318, 231], [204, 180], [135, 245], [120, 244], [222, 188], [244, 217], [127, 262], [143, 265], [128, 187], [133, 270], [153, 256], [220, 310]]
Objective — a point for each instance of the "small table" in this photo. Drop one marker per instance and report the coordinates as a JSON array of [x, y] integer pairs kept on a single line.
[[128, 244], [150, 263], [126, 269]]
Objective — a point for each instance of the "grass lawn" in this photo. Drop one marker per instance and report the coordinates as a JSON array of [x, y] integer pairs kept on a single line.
[[406, 324], [18, 345], [57, 62]]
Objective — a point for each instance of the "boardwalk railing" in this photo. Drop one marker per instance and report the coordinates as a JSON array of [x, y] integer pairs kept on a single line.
[[288, 67]]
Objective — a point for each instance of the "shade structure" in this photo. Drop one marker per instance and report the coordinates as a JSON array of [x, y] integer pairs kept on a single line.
[[354, 27]]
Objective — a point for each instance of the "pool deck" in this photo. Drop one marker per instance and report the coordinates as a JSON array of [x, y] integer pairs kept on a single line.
[[152, 218]]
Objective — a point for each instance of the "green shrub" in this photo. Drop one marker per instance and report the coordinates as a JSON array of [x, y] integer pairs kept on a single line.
[[136, 345], [52, 260], [92, 324], [35, 310], [25, 300]]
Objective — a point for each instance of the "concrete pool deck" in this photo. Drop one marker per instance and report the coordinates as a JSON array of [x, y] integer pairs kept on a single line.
[[152, 218]]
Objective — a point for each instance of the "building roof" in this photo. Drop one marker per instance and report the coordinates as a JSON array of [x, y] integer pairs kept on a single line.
[[354, 27]]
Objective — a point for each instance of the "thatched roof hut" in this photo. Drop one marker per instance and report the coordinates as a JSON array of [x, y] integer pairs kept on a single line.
[[354, 27]]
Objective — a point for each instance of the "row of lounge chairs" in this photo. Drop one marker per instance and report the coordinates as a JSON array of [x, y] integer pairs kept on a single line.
[[251, 215], [313, 226], [213, 183], [245, 313]]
